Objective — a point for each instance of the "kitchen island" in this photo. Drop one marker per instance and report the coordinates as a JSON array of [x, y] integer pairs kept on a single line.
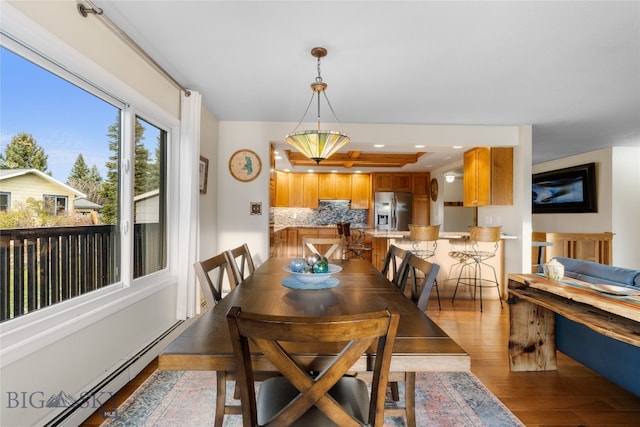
[[449, 267]]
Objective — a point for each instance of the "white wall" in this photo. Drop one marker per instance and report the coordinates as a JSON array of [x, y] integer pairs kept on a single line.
[[618, 201]]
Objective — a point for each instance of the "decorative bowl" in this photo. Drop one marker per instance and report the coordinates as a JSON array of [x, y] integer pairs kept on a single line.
[[313, 277]]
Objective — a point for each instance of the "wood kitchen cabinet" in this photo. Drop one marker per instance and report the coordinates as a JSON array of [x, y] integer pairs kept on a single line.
[[488, 176], [360, 191], [421, 209], [282, 189], [310, 191], [421, 184], [393, 182], [334, 186]]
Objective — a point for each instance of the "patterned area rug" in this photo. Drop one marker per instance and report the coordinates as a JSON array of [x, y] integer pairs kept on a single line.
[[187, 398]]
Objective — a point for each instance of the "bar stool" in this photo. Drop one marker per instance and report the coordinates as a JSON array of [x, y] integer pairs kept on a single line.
[[428, 234], [475, 258], [354, 245]]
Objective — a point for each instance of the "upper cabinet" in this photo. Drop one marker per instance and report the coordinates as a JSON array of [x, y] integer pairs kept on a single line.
[[488, 176], [360, 191], [393, 182], [296, 190], [334, 186]]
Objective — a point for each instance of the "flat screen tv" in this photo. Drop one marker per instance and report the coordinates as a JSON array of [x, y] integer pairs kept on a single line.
[[568, 190]]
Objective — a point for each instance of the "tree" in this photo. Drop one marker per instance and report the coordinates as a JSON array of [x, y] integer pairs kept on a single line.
[[23, 152], [79, 170], [86, 180], [109, 190]]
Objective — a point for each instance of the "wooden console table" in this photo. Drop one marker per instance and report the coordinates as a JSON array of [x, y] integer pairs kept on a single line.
[[534, 301]]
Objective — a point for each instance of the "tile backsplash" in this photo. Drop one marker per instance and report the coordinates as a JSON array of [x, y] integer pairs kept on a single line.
[[329, 212]]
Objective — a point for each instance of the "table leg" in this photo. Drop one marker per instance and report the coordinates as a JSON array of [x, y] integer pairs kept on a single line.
[[532, 337]]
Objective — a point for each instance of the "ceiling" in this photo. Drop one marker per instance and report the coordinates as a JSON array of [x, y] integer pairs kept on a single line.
[[569, 68]]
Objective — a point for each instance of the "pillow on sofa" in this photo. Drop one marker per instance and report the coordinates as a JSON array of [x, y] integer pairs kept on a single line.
[[593, 272]]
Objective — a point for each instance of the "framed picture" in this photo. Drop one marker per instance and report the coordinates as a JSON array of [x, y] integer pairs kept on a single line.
[[204, 174], [568, 190]]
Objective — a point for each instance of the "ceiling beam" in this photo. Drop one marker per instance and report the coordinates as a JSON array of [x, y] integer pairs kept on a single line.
[[356, 158]]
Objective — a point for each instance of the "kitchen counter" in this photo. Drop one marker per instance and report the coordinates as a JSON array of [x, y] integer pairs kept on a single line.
[[452, 235]]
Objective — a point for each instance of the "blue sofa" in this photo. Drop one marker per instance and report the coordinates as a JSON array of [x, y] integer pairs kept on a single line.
[[613, 359]]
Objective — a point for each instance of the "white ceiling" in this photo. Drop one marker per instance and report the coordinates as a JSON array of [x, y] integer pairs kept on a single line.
[[569, 68]]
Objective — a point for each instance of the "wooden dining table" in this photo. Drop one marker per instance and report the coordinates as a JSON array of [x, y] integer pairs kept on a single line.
[[420, 344]]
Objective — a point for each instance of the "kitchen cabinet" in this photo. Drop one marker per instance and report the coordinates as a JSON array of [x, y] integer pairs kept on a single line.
[[421, 184], [296, 190], [279, 243], [334, 186], [488, 176], [421, 209], [310, 191], [393, 182], [360, 191], [282, 189], [303, 190]]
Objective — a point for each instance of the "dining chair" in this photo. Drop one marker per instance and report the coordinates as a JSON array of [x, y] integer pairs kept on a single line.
[[420, 291], [210, 273], [240, 258], [485, 242], [392, 262], [424, 244], [313, 391], [330, 247]]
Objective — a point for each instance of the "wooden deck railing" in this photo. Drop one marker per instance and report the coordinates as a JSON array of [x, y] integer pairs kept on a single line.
[[43, 266]]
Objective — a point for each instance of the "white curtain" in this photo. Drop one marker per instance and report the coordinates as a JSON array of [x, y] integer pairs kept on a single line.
[[189, 192]]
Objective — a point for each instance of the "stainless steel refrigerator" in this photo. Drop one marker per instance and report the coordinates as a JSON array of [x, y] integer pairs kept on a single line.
[[392, 211]]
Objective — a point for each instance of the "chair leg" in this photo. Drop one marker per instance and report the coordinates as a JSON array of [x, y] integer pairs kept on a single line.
[[395, 393], [410, 398], [438, 294], [221, 395]]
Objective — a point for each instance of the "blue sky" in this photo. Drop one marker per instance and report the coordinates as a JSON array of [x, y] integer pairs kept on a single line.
[[64, 119]]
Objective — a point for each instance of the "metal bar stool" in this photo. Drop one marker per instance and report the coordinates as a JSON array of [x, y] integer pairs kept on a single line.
[[475, 258]]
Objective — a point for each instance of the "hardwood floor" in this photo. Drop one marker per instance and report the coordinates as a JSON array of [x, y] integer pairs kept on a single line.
[[571, 396]]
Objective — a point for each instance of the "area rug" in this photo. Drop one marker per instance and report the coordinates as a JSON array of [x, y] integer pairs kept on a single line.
[[187, 398]]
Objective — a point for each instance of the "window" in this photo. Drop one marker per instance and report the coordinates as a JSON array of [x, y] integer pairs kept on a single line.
[[5, 201], [92, 144], [56, 205]]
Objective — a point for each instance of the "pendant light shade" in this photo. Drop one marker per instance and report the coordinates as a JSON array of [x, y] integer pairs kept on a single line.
[[318, 144]]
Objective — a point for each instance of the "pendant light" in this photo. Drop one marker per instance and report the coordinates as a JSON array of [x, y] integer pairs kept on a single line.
[[318, 144]]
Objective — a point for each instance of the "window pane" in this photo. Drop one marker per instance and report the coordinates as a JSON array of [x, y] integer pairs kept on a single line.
[[59, 161], [149, 199]]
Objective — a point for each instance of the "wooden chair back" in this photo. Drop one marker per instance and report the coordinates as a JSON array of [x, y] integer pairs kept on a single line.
[[484, 235], [241, 262], [211, 273], [349, 336], [330, 247], [409, 275], [392, 263]]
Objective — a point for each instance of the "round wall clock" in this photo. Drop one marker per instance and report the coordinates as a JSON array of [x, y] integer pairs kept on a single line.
[[245, 165], [434, 189]]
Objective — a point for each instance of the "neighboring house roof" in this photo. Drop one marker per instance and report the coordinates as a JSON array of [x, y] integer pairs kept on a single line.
[[12, 173], [86, 204], [147, 195]]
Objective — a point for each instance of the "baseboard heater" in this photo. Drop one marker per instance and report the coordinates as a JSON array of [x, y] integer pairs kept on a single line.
[[62, 416]]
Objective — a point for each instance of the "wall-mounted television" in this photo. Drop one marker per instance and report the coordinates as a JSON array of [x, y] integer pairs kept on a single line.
[[568, 190]]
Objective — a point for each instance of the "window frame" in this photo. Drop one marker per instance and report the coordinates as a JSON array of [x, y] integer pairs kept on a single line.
[[27, 334], [7, 194], [55, 210]]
